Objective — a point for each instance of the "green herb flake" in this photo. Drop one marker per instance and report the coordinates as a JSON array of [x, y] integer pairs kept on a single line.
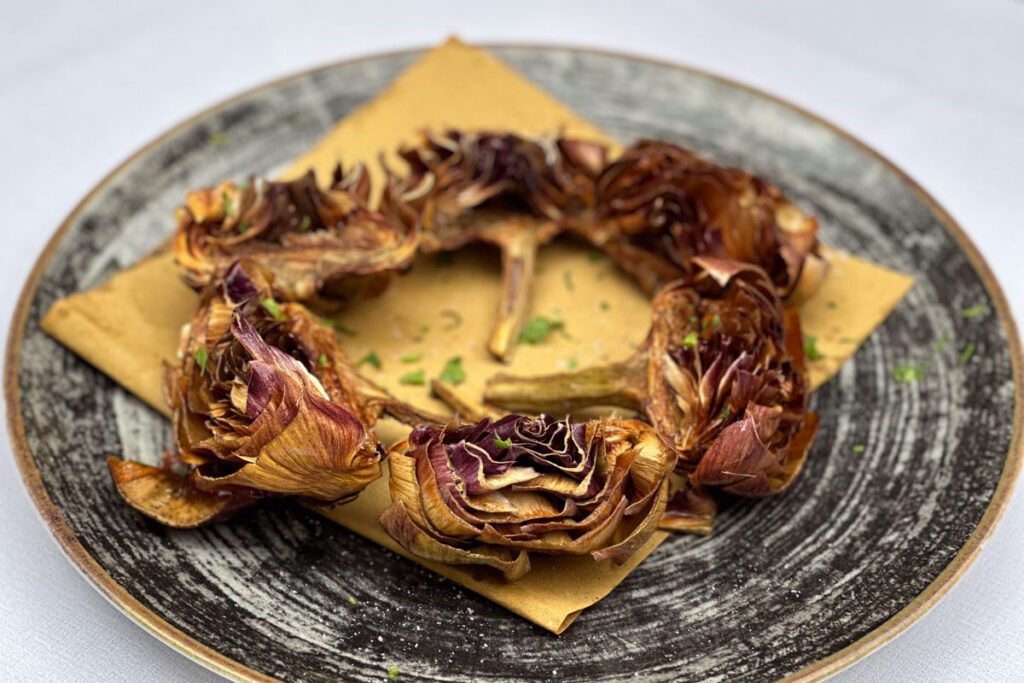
[[305, 224], [219, 139], [243, 227], [416, 377], [976, 311], [201, 357], [453, 372], [858, 449], [370, 359], [906, 373], [227, 205], [567, 280], [604, 305], [811, 348], [538, 329], [502, 443], [411, 357], [454, 317], [967, 354], [595, 257], [393, 672], [690, 340], [716, 321], [273, 308], [941, 342], [832, 305], [345, 329], [322, 360], [847, 340], [571, 364], [726, 412], [352, 601]]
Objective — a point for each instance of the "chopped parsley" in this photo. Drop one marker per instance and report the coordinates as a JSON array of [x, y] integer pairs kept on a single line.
[[352, 601], [416, 377], [418, 337], [219, 139], [941, 342], [370, 359], [454, 316], [411, 357], [453, 372], [227, 205], [393, 672], [906, 373], [967, 354], [273, 308], [716, 321], [322, 360], [595, 256], [571, 364], [338, 327], [201, 356], [976, 311], [726, 412], [690, 340], [832, 305], [847, 340], [604, 305], [305, 224], [243, 227], [858, 449], [538, 329], [502, 443], [811, 348]]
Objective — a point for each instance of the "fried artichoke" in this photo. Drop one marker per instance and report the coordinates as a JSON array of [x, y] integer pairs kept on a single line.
[[324, 246], [264, 403], [491, 493], [658, 206], [721, 377], [501, 189]]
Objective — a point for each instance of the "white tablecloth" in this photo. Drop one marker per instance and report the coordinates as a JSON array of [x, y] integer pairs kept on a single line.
[[937, 86]]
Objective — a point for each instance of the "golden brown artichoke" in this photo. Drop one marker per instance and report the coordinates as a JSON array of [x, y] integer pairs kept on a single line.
[[324, 246], [264, 403], [501, 189], [721, 377], [726, 380], [658, 206], [491, 493]]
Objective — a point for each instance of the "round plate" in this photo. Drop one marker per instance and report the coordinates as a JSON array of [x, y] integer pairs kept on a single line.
[[804, 583]]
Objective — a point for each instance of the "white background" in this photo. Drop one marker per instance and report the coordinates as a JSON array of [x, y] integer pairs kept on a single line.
[[937, 86]]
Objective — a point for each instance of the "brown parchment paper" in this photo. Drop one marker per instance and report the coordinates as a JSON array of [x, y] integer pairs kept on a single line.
[[130, 325]]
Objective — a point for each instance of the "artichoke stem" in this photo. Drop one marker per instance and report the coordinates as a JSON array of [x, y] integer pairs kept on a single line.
[[518, 244], [619, 384]]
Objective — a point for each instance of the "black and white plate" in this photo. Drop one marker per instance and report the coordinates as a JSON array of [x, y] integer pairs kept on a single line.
[[801, 584]]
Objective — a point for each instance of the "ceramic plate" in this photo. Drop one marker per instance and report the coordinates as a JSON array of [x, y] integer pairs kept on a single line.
[[803, 583]]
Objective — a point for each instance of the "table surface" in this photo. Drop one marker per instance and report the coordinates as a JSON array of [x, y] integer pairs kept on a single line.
[[935, 86]]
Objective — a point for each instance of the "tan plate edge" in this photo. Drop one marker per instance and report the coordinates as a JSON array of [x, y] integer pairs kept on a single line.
[[226, 666]]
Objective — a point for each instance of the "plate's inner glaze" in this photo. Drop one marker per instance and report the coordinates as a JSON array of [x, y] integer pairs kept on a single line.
[[782, 583]]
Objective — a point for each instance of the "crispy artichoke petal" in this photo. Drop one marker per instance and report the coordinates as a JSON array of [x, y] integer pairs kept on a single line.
[[401, 527], [169, 498]]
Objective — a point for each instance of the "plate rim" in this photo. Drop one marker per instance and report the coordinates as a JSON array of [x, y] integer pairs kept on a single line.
[[827, 666]]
